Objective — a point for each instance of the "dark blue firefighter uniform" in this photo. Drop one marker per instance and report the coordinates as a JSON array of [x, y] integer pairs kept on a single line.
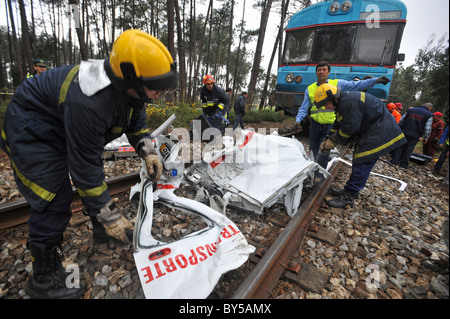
[[51, 129], [364, 118]]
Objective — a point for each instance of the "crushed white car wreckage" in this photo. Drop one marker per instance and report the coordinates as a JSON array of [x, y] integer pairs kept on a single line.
[[256, 171], [235, 176]]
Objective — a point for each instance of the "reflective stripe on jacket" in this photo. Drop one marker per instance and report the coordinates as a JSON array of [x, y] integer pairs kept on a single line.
[[364, 118], [215, 100]]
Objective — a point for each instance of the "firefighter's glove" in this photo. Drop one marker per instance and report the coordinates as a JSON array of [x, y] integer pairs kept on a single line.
[[147, 152], [154, 167], [327, 145], [116, 225], [383, 80], [298, 127]]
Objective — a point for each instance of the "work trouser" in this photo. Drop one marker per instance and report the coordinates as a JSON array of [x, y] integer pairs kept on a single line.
[[441, 159], [402, 154], [238, 121], [317, 133], [429, 148], [360, 174], [51, 222]]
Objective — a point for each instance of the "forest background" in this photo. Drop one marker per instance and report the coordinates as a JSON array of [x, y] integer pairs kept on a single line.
[[202, 36]]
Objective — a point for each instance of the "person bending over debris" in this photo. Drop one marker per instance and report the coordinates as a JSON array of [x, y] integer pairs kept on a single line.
[[58, 123], [360, 117]]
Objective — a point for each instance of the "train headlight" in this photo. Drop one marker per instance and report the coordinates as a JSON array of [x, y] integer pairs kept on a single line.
[[298, 79], [290, 77], [346, 6], [334, 7]]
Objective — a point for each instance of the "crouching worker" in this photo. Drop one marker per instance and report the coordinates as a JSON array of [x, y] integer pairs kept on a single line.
[[58, 123], [362, 118]]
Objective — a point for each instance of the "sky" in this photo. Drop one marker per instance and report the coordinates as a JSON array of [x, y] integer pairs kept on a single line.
[[423, 19]]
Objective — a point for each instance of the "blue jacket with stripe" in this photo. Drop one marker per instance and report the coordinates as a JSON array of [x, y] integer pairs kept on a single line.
[[363, 118], [51, 129]]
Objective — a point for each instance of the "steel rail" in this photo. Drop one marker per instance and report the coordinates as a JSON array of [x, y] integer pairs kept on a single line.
[[18, 212], [264, 277]]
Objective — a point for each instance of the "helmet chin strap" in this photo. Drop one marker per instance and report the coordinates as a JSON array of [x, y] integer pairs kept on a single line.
[[130, 76], [142, 95]]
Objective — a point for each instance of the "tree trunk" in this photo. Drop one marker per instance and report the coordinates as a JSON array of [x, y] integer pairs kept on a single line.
[[26, 46], [239, 48], [33, 31], [230, 42], [2, 74], [284, 7], [209, 38], [181, 53], [79, 30], [16, 44], [113, 27], [268, 74], [194, 85], [192, 48], [170, 39], [104, 17], [258, 52]]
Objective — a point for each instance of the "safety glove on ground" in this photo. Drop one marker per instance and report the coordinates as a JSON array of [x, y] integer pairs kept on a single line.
[[383, 80], [147, 152], [115, 224]]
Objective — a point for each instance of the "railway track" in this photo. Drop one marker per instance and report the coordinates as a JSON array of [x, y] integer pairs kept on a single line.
[[269, 265], [17, 212], [270, 262], [263, 279], [275, 262]]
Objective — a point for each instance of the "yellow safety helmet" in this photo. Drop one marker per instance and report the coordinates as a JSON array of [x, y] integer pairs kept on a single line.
[[324, 93], [138, 59]]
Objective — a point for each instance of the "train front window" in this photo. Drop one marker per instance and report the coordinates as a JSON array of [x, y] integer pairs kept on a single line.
[[353, 43], [376, 45], [334, 44], [299, 45]]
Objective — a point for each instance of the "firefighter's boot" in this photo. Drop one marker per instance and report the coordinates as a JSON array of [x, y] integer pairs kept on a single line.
[[338, 192], [342, 200], [48, 279]]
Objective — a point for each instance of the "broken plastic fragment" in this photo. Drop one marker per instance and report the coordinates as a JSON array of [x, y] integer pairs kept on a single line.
[[191, 266], [402, 183]]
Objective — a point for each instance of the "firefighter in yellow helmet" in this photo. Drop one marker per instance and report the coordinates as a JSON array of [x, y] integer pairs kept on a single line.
[[58, 124], [360, 117]]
